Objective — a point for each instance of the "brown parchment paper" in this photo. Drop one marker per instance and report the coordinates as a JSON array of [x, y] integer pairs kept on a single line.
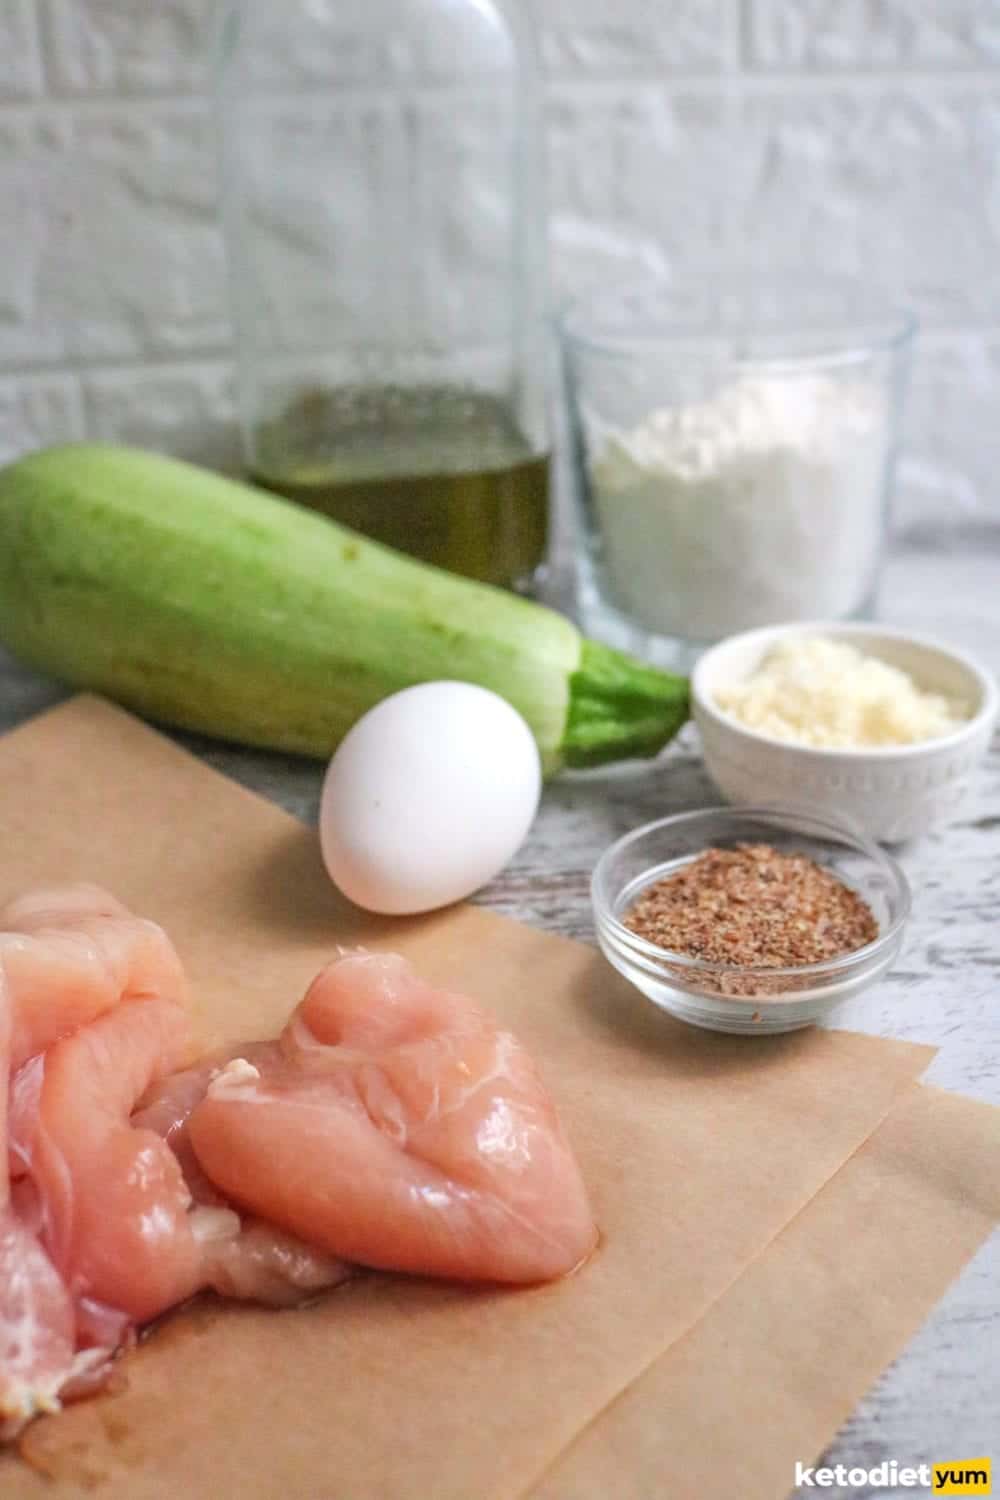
[[697, 1149], [767, 1377]]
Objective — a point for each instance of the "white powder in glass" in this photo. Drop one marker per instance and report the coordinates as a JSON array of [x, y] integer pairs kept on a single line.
[[814, 691], [765, 503]]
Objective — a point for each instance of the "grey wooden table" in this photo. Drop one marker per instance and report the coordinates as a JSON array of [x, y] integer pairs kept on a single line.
[[942, 1397]]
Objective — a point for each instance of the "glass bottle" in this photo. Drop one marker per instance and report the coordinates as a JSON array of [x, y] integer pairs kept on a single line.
[[381, 185]]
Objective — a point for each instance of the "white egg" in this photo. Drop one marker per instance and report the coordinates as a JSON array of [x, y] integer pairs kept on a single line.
[[428, 797]]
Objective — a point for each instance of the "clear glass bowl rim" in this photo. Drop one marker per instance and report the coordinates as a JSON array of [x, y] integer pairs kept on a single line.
[[844, 833], [890, 325]]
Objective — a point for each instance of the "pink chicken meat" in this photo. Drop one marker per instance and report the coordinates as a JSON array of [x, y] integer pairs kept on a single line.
[[397, 1126], [66, 957], [37, 1330], [239, 1255], [113, 1204], [99, 1230], [70, 954], [391, 1125]]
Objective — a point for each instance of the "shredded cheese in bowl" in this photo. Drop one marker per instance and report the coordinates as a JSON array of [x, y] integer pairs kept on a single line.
[[813, 691]]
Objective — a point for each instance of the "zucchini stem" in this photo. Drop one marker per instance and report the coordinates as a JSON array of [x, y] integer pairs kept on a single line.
[[619, 708]]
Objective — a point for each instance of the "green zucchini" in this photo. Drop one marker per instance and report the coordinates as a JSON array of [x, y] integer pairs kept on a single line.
[[204, 603]]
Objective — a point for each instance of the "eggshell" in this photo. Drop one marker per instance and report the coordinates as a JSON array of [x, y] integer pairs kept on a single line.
[[428, 797]]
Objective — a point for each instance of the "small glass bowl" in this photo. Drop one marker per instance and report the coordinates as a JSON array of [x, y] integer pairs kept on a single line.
[[786, 998]]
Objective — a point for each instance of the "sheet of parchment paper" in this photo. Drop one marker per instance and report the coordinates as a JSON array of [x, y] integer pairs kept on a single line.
[[770, 1373], [697, 1148]]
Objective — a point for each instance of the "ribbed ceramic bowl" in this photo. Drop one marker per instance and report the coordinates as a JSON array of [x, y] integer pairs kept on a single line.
[[892, 793], [781, 999]]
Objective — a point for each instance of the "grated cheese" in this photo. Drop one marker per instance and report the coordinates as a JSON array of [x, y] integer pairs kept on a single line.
[[815, 691]]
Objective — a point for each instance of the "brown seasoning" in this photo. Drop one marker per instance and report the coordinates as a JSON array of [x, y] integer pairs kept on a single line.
[[752, 907]]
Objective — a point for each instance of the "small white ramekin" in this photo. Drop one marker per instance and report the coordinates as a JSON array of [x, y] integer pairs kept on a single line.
[[893, 792]]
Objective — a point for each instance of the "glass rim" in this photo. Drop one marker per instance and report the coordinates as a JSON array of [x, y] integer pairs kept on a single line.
[[843, 833], [883, 325]]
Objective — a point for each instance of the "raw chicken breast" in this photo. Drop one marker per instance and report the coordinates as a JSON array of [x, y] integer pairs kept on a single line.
[[113, 1204], [38, 1357], [402, 1129], [241, 1257], [40, 1363], [250, 1260], [69, 955], [391, 1125], [130, 1232], [167, 1106], [37, 1327], [36, 1319]]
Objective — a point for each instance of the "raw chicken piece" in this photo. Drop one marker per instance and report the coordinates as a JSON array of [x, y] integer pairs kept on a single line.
[[123, 1239], [6, 1029], [37, 1327], [166, 1108], [39, 1362], [113, 1203], [244, 1258], [37, 1322], [391, 1124], [36, 1317], [105, 1203], [69, 955], [128, 1233], [250, 1260], [400, 1129], [99, 1230]]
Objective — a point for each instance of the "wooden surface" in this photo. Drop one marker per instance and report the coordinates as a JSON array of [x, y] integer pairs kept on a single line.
[[942, 1398]]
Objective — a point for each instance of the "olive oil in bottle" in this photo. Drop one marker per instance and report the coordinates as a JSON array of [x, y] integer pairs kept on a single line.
[[381, 177], [438, 472]]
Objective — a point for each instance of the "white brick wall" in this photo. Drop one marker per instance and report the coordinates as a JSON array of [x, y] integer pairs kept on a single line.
[[849, 135]]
